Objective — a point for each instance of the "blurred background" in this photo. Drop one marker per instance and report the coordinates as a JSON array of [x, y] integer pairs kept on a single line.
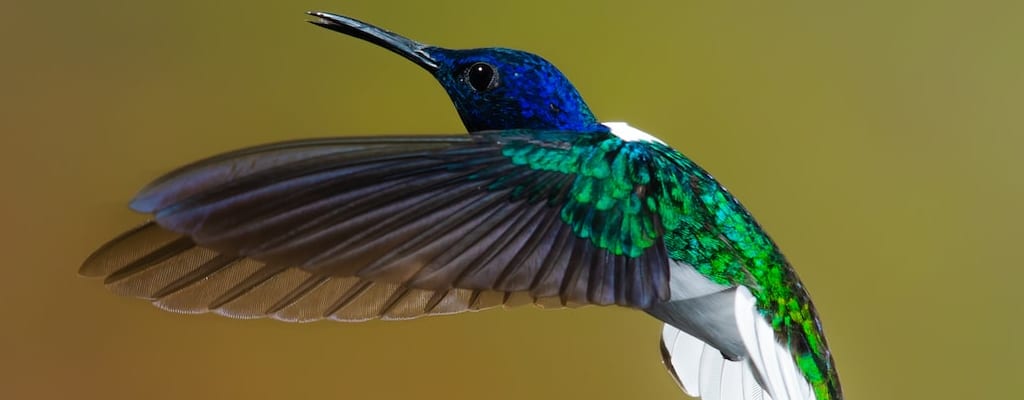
[[878, 142]]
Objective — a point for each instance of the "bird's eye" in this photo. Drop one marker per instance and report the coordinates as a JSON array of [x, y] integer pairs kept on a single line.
[[481, 76]]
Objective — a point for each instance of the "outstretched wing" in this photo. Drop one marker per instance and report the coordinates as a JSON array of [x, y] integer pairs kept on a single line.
[[355, 228]]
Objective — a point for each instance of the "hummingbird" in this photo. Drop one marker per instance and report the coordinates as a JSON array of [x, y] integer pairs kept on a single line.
[[540, 203]]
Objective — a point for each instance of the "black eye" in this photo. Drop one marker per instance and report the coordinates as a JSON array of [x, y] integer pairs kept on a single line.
[[482, 76]]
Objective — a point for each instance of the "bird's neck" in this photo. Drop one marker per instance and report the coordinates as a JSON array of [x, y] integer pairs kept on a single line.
[[583, 123]]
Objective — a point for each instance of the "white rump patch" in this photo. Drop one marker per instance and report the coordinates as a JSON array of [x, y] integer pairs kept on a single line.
[[629, 133]]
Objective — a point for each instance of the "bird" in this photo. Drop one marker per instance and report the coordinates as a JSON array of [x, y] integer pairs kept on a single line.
[[538, 203]]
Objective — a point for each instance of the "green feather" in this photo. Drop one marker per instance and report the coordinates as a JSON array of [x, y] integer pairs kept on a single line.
[[627, 195], [612, 200]]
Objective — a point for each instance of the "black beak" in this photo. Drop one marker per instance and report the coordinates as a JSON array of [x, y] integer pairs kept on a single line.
[[411, 49]]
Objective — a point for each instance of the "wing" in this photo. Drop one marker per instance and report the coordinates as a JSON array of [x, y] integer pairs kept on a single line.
[[177, 275], [356, 228]]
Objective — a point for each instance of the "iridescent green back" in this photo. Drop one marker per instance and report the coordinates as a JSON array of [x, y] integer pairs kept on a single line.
[[626, 194], [727, 245]]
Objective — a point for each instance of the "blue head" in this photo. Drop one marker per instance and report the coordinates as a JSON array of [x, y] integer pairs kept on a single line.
[[492, 88]]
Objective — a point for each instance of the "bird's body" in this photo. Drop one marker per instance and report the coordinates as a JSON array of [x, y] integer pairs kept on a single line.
[[540, 203]]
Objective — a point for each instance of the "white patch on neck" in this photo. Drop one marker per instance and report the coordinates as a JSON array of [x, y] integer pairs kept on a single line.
[[629, 133]]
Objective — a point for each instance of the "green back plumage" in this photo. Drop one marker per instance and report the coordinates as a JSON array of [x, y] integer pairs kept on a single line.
[[730, 248], [627, 194]]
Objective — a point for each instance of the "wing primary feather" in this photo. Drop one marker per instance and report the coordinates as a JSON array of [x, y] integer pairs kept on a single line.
[[435, 300], [296, 179], [217, 263], [470, 273], [518, 223], [488, 299], [346, 298], [598, 273], [622, 286], [247, 285], [631, 283], [389, 224], [563, 194], [125, 248], [363, 203], [218, 170], [579, 258], [278, 222], [548, 261], [268, 207], [346, 244], [602, 288], [510, 245], [515, 178], [556, 189], [660, 274], [394, 299], [470, 251], [540, 235], [474, 299], [479, 211], [163, 253], [313, 282]]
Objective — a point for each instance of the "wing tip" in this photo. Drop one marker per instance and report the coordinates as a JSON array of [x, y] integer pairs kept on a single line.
[[98, 263], [143, 203]]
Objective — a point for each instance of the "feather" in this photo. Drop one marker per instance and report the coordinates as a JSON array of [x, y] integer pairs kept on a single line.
[[351, 229], [764, 369], [774, 364], [678, 348], [408, 215], [702, 372], [194, 279]]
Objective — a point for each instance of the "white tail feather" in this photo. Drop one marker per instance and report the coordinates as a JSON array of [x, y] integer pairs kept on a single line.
[[767, 371], [688, 348], [772, 362]]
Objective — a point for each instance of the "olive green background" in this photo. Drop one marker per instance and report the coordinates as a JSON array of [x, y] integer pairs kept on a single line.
[[879, 143]]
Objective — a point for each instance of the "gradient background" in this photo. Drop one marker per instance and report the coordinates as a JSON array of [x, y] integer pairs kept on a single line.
[[879, 143]]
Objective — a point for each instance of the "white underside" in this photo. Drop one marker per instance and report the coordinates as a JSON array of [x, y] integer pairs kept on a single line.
[[767, 370], [629, 133]]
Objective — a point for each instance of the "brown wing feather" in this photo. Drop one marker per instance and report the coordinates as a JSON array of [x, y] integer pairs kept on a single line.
[[165, 268]]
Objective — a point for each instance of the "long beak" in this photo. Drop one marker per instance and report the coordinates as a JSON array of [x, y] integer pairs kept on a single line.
[[408, 48]]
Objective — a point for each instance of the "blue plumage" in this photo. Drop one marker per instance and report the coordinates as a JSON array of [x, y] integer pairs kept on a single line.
[[492, 88], [528, 92]]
